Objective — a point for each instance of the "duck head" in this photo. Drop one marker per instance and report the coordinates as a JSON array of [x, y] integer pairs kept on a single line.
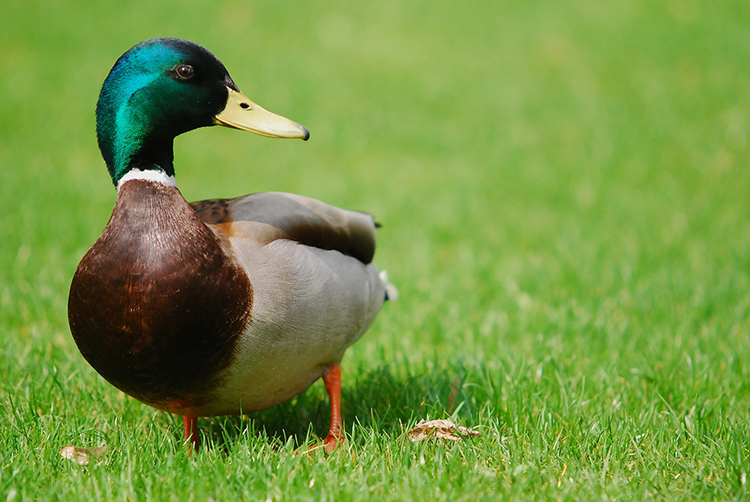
[[162, 88]]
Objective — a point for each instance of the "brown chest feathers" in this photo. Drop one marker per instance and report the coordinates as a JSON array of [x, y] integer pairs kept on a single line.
[[157, 305]]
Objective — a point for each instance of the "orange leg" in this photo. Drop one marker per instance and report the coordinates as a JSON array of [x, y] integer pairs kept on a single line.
[[332, 381], [191, 430]]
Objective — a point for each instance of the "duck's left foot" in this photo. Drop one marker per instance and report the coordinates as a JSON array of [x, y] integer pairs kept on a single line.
[[332, 381], [333, 440], [191, 431]]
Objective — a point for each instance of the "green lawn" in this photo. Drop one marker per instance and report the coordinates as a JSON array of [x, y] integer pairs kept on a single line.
[[565, 197]]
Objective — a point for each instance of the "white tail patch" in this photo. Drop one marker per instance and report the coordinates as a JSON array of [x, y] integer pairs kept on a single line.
[[390, 289]]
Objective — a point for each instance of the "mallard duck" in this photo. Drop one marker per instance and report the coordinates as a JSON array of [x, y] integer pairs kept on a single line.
[[223, 306]]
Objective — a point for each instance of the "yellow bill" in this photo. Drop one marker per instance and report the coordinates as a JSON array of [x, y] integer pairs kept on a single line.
[[241, 113]]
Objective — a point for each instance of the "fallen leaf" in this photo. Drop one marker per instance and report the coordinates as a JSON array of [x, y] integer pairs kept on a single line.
[[439, 429], [82, 456]]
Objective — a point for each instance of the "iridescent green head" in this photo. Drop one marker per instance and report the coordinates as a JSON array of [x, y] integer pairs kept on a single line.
[[164, 87]]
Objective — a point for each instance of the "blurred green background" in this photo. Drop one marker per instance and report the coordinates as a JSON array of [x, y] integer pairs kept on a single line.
[[563, 189]]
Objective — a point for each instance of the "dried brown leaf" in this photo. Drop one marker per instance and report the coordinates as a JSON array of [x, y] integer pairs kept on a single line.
[[82, 456], [439, 429]]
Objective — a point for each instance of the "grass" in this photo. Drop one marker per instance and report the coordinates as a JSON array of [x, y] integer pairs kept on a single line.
[[564, 193]]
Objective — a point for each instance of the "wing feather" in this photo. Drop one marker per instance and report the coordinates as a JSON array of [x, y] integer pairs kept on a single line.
[[269, 216]]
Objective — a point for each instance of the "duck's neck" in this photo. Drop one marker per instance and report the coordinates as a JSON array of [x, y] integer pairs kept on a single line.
[[126, 149], [133, 133]]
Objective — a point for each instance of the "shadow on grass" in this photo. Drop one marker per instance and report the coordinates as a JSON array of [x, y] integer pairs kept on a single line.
[[382, 399]]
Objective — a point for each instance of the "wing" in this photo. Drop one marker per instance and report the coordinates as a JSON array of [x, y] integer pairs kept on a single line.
[[268, 216]]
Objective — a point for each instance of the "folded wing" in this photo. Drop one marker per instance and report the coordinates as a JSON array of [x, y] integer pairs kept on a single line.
[[268, 216]]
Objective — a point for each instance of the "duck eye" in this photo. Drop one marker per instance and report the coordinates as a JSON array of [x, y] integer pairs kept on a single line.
[[184, 71]]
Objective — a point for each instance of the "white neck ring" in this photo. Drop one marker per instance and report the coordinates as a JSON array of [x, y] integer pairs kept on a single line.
[[157, 176]]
